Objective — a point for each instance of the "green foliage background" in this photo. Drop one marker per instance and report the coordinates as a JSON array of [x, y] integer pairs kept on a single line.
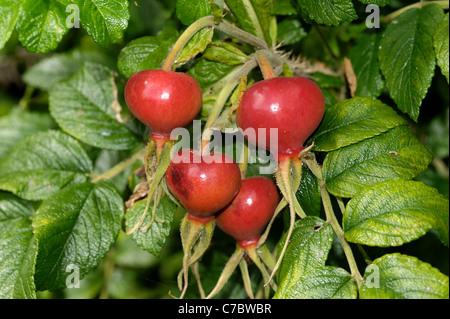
[[57, 82]]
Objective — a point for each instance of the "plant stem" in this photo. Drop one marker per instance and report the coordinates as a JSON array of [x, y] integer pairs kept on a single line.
[[284, 181], [241, 35], [264, 64], [119, 168], [246, 278], [230, 266], [184, 39], [395, 14], [223, 96], [332, 220], [208, 22]]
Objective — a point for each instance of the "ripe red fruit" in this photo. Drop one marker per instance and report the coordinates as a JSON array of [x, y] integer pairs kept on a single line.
[[204, 183], [163, 100], [247, 215], [293, 105]]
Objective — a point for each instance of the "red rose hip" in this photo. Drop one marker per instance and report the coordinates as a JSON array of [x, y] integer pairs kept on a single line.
[[163, 100], [293, 105], [204, 183], [247, 215]]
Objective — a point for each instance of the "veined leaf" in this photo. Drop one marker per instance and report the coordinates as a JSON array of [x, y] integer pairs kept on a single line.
[[75, 228], [290, 31], [197, 44], [17, 249], [208, 72], [303, 273], [380, 3], [47, 72], [308, 194], [85, 107], [352, 121], [146, 53], [9, 11], [364, 57], [104, 20], [41, 25], [254, 16], [395, 212], [225, 53], [330, 13], [441, 46], [394, 154], [407, 58], [42, 164], [188, 11], [154, 238], [283, 7], [17, 125], [397, 276]]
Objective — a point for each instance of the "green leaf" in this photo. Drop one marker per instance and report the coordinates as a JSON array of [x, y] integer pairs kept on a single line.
[[42, 164], [303, 273], [188, 11], [41, 25], [153, 239], [75, 227], [407, 58], [254, 16], [85, 107], [283, 7], [207, 72], [9, 11], [225, 53], [308, 194], [394, 154], [441, 46], [146, 53], [217, 7], [364, 57], [437, 137], [325, 81], [380, 3], [17, 249], [197, 44], [104, 20], [290, 31], [395, 212], [330, 13], [352, 121], [18, 124], [397, 276], [47, 72]]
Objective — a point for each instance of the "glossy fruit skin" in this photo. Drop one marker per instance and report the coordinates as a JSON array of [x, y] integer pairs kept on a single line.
[[163, 100], [293, 105], [204, 184], [247, 215]]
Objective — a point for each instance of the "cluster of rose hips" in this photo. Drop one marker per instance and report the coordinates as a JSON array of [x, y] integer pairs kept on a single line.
[[211, 186]]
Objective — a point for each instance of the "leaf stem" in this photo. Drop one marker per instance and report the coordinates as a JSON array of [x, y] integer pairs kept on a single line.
[[230, 266], [395, 14], [184, 39], [264, 64], [241, 35], [119, 168], [208, 22], [332, 220], [223, 96]]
